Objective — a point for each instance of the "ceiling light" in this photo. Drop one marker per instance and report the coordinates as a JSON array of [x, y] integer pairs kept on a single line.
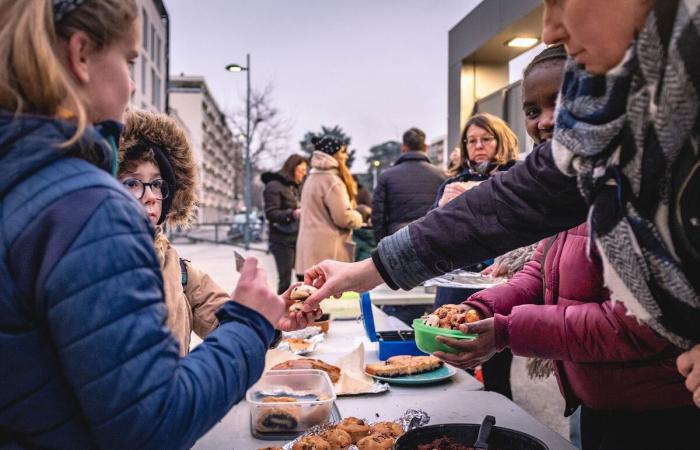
[[522, 42]]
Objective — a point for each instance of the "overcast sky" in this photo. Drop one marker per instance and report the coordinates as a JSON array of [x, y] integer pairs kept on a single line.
[[374, 67]]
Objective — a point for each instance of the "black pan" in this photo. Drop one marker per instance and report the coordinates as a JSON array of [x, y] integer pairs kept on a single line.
[[466, 433]]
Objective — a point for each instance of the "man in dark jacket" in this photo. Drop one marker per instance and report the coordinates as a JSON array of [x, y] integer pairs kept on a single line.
[[406, 191]]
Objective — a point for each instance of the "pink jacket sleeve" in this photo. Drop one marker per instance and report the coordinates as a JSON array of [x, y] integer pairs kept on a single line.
[[524, 288], [586, 332]]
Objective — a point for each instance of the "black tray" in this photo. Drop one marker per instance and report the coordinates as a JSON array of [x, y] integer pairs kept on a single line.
[[288, 436], [466, 433]]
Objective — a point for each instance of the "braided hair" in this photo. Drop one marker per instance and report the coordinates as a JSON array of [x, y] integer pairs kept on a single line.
[[553, 53]]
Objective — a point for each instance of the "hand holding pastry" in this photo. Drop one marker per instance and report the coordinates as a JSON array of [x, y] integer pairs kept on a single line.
[[296, 319]]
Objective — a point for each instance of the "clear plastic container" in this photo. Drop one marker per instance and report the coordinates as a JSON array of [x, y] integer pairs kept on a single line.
[[285, 401]]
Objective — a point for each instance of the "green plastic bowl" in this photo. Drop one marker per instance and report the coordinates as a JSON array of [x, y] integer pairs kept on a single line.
[[425, 337]]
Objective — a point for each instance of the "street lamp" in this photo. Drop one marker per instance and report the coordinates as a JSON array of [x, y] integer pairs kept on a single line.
[[376, 163], [247, 182]]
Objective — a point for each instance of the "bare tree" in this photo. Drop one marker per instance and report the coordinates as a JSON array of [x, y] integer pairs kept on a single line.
[[270, 130]]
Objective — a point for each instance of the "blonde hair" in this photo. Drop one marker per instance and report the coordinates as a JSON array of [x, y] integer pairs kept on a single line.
[[33, 78], [348, 180], [507, 149]]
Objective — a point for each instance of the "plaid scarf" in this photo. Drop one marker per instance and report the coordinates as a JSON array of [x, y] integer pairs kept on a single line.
[[620, 135]]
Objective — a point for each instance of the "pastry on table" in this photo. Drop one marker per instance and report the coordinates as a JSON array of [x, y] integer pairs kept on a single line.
[[337, 438], [297, 344], [311, 443], [310, 363], [378, 441], [403, 365], [299, 294], [356, 428], [393, 429], [278, 418]]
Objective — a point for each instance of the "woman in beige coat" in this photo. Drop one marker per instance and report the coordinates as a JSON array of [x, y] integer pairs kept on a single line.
[[328, 213], [157, 166]]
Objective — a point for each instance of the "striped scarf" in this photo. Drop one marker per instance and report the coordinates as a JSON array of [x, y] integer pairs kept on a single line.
[[620, 135]]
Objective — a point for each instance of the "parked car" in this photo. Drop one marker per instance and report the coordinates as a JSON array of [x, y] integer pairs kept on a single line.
[[237, 229]]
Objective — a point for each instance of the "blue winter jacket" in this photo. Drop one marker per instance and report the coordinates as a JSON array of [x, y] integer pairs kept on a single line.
[[85, 358]]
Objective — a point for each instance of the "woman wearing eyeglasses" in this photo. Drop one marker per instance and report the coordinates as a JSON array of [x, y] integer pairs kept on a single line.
[[488, 146], [157, 167], [328, 213]]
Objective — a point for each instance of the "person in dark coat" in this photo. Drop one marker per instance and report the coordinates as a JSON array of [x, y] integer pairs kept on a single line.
[[282, 211], [404, 193]]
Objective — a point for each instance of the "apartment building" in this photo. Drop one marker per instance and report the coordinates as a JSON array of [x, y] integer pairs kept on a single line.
[[150, 73], [216, 151]]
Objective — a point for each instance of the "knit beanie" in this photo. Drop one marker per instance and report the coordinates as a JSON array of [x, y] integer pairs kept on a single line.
[[328, 144]]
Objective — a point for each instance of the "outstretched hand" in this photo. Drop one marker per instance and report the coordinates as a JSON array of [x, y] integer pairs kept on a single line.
[[471, 353], [689, 366], [296, 320], [332, 278]]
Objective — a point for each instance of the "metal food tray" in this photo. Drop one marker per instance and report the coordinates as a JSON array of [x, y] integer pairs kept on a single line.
[[464, 280]]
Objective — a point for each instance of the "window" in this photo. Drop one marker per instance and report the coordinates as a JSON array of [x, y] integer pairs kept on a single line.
[[158, 50], [144, 31], [153, 43], [155, 86], [143, 75]]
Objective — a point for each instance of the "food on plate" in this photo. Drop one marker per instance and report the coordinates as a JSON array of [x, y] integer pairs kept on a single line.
[[451, 317], [311, 442], [278, 418], [378, 441], [391, 428], [297, 344], [337, 438], [402, 365], [356, 428], [444, 443], [299, 294], [309, 363]]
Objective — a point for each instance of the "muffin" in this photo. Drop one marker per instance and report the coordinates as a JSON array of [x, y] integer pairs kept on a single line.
[[378, 441], [390, 428], [356, 428], [337, 438], [311, 443]]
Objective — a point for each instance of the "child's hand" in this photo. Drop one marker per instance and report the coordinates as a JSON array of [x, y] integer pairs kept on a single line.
[[252, 291]]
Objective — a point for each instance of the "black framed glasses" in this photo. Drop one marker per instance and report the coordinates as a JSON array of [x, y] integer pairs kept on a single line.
[[159, 188]]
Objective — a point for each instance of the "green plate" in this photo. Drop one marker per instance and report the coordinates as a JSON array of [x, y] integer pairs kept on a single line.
[[433, 376]]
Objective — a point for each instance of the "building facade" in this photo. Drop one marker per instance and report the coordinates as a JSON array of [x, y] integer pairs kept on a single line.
[[216, 152], [479, 58], [437, 152], [150, 72]]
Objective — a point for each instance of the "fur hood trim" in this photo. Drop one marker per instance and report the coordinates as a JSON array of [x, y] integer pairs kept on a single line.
[[162, 130]]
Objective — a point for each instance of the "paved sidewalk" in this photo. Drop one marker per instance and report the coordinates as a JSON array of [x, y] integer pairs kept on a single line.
[[539, 398]]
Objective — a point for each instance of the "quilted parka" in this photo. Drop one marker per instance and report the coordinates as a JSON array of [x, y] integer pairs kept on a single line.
[[87, 361]]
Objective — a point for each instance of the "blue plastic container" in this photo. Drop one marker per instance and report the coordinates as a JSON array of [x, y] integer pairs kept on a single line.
[[391, 343]]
